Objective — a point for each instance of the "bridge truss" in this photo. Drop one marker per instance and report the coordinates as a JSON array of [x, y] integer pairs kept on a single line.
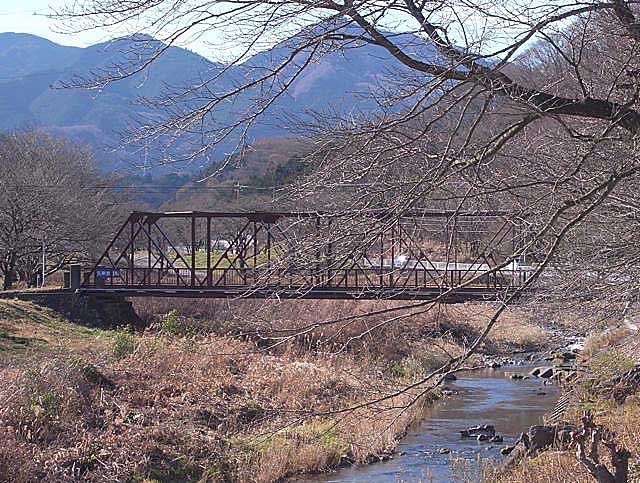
[[421, 255]]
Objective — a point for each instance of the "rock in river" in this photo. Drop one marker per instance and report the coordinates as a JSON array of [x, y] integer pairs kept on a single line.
[[485, 429], [545, 372]]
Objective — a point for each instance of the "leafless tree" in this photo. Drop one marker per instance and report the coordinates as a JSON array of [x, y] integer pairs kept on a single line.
[[51, 200]]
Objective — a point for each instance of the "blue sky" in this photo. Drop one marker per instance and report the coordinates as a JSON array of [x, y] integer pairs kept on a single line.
[[30, 16]]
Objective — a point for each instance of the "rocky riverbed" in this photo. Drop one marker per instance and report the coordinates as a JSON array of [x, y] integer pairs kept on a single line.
[[458, 434], [483, 413]]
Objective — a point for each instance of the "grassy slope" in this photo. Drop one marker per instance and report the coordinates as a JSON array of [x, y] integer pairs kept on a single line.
[[28, 331], [112, 404], [185, 402]]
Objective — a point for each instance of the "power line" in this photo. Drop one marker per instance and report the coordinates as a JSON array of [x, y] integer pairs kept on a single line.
[[159, 187], [185, 187]]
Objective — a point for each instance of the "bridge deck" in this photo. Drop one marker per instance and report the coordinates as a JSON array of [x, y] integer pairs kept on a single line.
[[455, 296], [366, 284]]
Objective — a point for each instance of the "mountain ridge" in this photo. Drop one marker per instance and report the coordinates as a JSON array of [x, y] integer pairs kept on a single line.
[[31, 65]]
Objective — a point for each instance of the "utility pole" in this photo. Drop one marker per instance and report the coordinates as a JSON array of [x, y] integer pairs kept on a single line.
[[44, 261]]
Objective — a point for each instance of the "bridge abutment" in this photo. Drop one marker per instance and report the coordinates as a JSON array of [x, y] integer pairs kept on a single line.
[[105, 312]]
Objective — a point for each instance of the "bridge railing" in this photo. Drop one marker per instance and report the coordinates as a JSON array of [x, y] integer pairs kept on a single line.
[[347, 278]]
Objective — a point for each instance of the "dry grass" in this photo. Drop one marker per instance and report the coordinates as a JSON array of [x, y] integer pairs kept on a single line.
[[205, 407], [603, 341], [549, 467], [516, 330], [199, 396], [457, 325]]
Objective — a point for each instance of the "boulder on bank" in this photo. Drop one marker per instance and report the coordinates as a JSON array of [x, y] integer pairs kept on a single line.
[[539, 438], [561, 357], [346, 460], [372, 459], [378, 458]]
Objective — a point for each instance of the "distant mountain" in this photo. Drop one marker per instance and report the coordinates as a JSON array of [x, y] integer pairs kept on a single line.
[[30, 66], [26, 54], [249, 182]]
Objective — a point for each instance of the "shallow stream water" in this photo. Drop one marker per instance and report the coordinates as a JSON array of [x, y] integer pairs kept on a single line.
[[487, 396]]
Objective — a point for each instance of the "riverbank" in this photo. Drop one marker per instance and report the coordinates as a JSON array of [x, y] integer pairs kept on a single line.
[[219, 399], [608, 387]]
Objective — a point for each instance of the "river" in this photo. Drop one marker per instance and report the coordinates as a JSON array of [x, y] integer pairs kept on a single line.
[[487, 396]]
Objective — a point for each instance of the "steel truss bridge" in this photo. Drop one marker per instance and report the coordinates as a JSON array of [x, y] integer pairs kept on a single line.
[[311, 255]]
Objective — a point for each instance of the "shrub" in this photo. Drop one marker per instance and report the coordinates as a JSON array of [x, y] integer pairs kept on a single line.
[[90, 373], [415, 365], [430, 361], [124, 342], [397, 369], [174, 324], [250, 413], [46, 404]]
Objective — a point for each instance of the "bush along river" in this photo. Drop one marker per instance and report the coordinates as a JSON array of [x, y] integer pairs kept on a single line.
[[439, 450]]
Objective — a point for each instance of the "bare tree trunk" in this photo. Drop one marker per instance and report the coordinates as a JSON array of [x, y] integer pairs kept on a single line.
[[587, 440], [8, 270]]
